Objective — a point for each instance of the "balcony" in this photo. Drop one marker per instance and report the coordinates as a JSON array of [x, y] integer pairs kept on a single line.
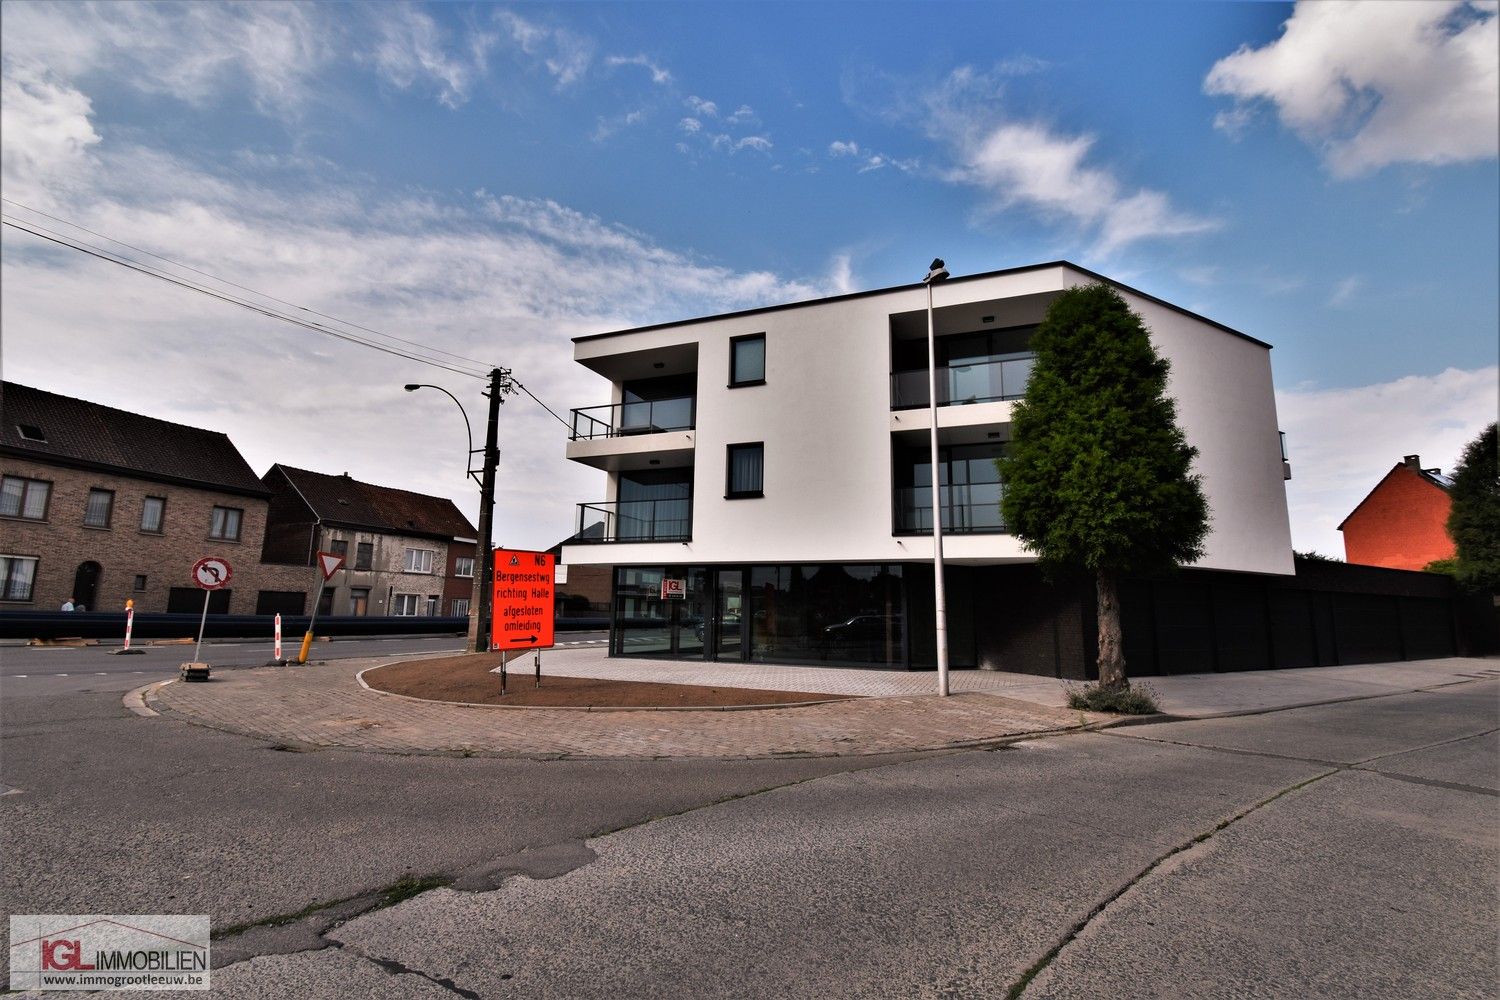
[[967, 510], [634, 521], [990, 380], [640, 417]]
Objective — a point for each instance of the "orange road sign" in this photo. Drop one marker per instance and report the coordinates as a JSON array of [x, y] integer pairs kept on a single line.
[[524, 590]]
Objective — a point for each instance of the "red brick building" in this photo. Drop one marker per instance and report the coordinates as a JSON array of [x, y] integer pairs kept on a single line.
[[1403, 523]]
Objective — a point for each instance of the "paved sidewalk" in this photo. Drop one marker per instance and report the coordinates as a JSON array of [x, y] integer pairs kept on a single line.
[[324, 706]]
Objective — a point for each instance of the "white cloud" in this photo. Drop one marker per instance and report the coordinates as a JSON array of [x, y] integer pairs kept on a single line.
[[841, 278], [562, 53], [608, 127], [690, 125], [498, 278], [1372, 84], [868, 160], [1343, 292], [192, 53], [659, 74], [741, 115], [840, 148], [759, 143], [411, 47], [1028, 164], [702, 108], [1342, 441]]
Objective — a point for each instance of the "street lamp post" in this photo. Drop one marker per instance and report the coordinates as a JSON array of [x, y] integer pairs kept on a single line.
[[480, 596], [937, 272]]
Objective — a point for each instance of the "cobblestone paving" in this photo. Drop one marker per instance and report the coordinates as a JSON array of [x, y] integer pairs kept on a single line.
[[324, 706]]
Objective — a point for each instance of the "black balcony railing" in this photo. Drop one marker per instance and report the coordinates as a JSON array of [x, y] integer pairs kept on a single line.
[[981, 382], [635, 521], [967, 510], [642, 417]]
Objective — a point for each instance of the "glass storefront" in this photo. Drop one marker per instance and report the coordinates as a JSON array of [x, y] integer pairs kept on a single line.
[[810, 613]]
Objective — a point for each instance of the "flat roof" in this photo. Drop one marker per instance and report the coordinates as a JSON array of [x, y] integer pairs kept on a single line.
[[917, 284]]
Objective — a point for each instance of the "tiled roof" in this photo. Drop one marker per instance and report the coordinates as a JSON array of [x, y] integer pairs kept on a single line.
[[344, 500], [50, 427]]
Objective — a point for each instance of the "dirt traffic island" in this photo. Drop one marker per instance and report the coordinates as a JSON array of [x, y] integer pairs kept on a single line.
[[468, 679]]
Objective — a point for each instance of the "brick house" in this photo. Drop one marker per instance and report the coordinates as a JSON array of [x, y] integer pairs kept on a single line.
[[105, 506], [401, 549], [1403, 522], [458, 585]]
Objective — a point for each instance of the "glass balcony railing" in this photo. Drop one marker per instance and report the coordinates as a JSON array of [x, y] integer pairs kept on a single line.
[[635, 521], [642, 417], [981, 382], [967, 510]]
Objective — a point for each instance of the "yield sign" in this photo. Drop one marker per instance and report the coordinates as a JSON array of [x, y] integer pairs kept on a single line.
[[329, 563]]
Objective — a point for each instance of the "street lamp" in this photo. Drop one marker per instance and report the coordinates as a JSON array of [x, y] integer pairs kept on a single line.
[[937, 272], [484, 572]]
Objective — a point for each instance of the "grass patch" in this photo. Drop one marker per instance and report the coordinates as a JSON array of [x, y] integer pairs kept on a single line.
[[409, 887], [1138, 700]]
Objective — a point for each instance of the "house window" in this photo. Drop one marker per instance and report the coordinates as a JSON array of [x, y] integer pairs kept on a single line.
[[405, 604], [226, 523], [100, 506], [434, 602], [460, 607], [24, 498], [339, 547], [359, 601], [364, 555], [17, 576], [153, 511], [747, 360], [419, 560], [463, 566], [140, 582], [746, 466]]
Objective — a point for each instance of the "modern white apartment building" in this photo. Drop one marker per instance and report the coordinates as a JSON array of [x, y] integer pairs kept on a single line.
[[772, 466]]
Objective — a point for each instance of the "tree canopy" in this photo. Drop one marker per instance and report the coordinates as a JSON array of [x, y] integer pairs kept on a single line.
[[1099, 476], [1474, 521]]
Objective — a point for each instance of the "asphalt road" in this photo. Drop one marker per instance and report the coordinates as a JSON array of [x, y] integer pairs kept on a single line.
[[51, 670], [1346, 850]]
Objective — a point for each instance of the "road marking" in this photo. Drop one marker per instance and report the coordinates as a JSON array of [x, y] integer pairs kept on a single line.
[[21, 676], [101, 673], [59, 675]]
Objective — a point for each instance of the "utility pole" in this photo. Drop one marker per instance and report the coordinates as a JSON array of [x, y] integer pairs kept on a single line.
[[484, 573]]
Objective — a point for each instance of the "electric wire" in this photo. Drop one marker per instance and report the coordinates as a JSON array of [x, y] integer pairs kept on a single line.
[[74, 243], [246, 288]]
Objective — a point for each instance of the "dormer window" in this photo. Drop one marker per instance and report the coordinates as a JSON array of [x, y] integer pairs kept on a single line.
[[30, 432]]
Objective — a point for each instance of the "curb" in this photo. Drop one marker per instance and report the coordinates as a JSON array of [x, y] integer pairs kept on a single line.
[[585, 708], [136, 699]]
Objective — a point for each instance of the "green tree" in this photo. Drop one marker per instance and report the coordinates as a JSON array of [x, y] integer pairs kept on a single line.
[[1099, 476], [1474, 521]]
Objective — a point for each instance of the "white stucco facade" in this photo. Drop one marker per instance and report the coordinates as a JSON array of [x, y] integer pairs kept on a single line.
[[826, 419]]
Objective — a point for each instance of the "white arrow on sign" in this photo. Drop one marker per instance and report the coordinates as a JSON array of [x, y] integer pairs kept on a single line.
[[329, 563]]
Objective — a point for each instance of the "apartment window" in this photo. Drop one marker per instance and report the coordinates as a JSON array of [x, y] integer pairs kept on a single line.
[[364, 555], [24, 498], [747, 360], [419, 560], [339, 547], [226, 523], [17, 577], [140, 582], [101, 504], [433, 603], [463, 566], [153, 511], [460, 607], [746, 471], [405, 604]]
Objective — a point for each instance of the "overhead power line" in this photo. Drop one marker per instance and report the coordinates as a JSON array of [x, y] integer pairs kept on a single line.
[[458, 364]]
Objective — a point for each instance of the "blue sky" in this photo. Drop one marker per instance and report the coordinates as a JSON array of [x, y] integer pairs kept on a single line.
[[496, 179]]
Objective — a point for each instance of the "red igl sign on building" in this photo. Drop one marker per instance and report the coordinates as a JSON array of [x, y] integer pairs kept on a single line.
[[524, 593]]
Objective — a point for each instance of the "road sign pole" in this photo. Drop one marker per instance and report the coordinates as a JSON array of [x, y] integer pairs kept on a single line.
[[308, 638], [203, 621]]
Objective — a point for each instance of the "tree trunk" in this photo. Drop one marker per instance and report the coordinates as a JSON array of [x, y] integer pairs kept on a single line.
[[1111, 652]]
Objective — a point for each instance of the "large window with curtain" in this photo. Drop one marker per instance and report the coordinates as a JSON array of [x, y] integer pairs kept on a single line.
[[746, 471]]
